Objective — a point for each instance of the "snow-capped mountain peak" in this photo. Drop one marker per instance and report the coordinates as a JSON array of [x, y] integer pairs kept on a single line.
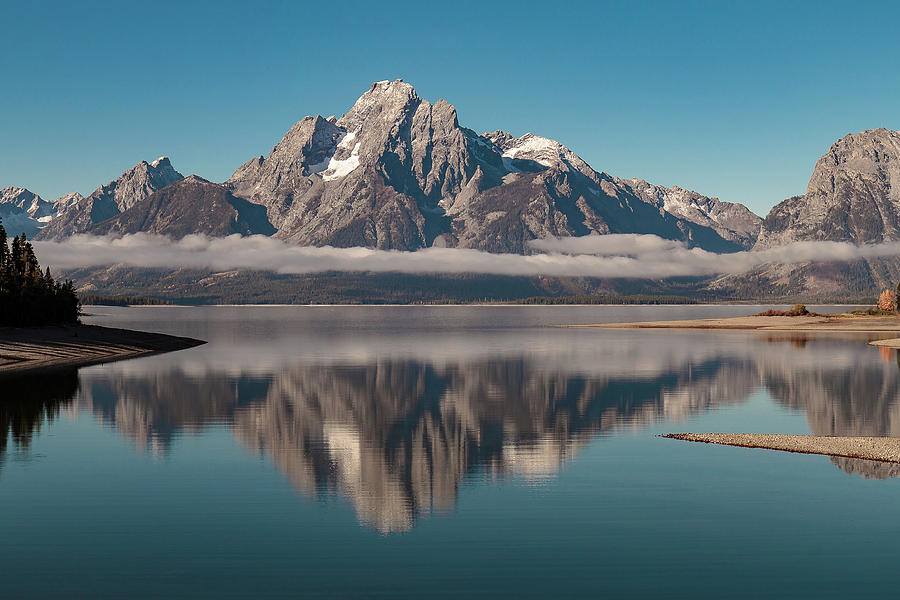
[[518, 152]]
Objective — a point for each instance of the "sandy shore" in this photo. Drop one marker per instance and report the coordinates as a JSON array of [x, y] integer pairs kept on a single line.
[[848, 323], [838, 323], [44, 348], [884, 449], [844, 323]]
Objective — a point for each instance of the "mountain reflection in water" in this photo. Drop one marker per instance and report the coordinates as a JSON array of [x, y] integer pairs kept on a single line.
[[396, 427]]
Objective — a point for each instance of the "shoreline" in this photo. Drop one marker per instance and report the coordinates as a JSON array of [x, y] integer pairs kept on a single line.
[[843, 323], [882, 449], [39, 349], [437, 304]]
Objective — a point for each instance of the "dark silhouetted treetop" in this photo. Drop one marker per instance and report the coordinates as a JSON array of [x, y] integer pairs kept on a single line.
[[29, 296]]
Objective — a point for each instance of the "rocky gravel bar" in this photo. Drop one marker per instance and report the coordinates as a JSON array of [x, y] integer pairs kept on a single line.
[[886, 449]]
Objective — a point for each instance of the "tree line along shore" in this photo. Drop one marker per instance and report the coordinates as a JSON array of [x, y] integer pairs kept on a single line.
[[39, 320], [30, 297]]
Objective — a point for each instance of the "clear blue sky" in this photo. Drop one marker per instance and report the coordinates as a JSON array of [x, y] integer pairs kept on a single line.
[[735, 100]]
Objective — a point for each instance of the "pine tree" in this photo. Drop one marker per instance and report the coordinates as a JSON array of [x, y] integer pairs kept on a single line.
[[28, 296]]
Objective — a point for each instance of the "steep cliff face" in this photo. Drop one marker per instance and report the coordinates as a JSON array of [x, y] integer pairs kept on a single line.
[[374, 177], [853, 195], [78, 215], [192, 205], [399, 172]]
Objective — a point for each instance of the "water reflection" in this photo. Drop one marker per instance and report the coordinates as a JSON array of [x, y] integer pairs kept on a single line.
[[30, 401], [396, 424]]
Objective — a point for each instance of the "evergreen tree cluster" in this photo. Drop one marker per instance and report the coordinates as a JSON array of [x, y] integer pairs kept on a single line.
[[29, 296]]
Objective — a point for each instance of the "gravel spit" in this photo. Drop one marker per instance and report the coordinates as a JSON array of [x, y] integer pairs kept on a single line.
[[886, 449]]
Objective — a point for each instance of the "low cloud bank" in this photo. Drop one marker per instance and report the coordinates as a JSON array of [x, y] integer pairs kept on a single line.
[[617, 255]]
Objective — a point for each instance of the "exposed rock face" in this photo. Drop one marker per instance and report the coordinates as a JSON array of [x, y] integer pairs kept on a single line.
[[26, 202], [23, 211], [733, 222], [853, 195], [65, 202], [399, 172], [107, 201], [192, 205]]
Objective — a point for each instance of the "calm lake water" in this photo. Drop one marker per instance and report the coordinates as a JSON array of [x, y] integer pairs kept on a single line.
[[448, 452]]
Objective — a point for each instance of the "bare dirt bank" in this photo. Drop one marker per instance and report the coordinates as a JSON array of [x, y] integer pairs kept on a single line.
[[838, 323], [885, 449], [45, 348]]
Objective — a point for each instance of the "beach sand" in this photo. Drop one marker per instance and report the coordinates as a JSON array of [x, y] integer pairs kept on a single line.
[[30, 350], [886, 449], [839, 323], [845, 323]]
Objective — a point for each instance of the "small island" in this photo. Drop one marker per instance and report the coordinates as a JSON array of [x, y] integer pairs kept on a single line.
[[39, 320]]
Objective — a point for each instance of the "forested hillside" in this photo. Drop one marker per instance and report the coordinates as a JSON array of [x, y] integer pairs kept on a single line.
[[28, 295]]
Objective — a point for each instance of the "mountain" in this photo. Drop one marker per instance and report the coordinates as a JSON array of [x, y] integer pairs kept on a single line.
[[23, 211], [66, 201], [107, 201], [27, 202], [399, 172], [852, 196], [733, 222], [191, 205]]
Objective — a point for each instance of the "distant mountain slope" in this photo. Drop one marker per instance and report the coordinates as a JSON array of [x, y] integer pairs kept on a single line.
[[733, 222], [23, 211], [191, 205], [78, 215]]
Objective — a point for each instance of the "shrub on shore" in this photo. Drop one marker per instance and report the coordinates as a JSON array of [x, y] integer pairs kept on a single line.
[[797, 310], [29, 296]]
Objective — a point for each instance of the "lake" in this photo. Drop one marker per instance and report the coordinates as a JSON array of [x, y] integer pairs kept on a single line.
[[446, 452]]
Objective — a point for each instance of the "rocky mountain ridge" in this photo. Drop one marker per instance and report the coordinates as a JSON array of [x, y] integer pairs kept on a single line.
[[23, 210], [188, 206], [398, 172], [853, 195], [78, 214]]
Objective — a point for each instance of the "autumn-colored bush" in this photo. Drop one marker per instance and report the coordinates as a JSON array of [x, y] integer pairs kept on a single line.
[[797, 310], [887, 301]]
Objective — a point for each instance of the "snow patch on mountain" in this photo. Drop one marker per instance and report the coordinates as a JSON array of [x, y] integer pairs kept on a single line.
[[332, 167], [535, 146], [340, 168], [66, 201]]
